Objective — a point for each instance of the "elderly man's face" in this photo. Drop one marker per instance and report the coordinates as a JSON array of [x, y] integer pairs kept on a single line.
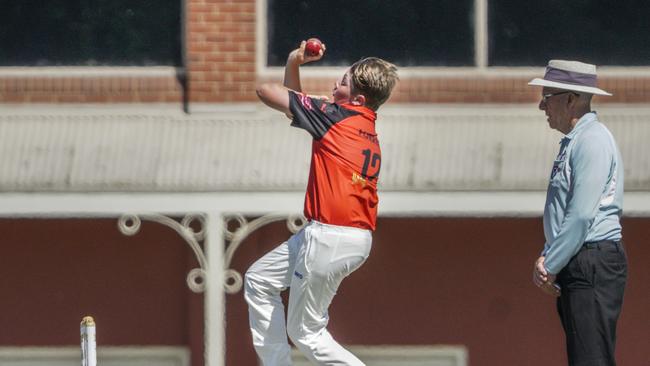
[[555, 102]]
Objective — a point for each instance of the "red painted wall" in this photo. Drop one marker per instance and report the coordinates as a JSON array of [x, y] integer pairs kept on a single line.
[[457, 281], [427, 281], [53, 272]]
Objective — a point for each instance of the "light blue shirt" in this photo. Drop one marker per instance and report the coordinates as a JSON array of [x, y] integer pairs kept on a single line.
[[584, 200]]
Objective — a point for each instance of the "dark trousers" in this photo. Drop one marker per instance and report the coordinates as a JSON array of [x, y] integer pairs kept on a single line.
[[592, 286]]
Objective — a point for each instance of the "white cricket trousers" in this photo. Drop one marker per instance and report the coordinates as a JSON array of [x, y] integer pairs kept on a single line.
[[313, 262]]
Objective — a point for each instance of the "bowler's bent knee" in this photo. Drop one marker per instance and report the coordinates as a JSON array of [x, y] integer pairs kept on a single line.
[[252, 288], [306, 343]]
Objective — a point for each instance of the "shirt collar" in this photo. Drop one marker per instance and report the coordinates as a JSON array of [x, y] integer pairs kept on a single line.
[[584, 121], [363, 110]]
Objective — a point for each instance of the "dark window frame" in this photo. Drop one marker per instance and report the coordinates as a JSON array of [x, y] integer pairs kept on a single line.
[[99, 33], [481, 60]]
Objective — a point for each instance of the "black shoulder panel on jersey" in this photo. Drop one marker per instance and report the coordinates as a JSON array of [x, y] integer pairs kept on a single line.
[[316, 116]]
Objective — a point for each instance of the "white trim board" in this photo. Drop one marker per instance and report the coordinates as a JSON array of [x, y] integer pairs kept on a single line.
[[106, 356], [89, 71], [390, 355], [392, 204]]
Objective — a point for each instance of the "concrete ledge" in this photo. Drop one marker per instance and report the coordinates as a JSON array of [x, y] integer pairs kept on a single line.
[[106, 356], [390, 355], [392, 204]]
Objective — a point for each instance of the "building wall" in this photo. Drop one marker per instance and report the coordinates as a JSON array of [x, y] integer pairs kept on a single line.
[[431, 148], [55, 271], [221, 43], [428, 281], [90, 85], [455, 281], [448, 281]]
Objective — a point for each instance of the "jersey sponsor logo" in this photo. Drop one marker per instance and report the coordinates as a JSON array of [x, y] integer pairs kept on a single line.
[[357, 179], [305, 101]]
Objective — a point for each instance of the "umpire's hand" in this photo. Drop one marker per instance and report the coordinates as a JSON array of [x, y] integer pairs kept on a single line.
[[544, 280]]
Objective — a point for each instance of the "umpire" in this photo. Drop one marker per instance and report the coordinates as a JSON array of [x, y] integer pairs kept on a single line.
[[583, 262]]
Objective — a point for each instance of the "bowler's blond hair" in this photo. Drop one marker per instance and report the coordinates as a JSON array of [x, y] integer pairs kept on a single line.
[[373, 78]]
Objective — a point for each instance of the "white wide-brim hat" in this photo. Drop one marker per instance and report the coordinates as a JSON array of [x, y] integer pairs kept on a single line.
[[570, 75]]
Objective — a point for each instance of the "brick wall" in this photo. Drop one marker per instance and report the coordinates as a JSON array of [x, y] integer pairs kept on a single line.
[[488, 89], [220, 51], [89, 89]]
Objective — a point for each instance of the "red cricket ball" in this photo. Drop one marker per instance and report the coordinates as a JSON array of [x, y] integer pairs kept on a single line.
[[313, 47]]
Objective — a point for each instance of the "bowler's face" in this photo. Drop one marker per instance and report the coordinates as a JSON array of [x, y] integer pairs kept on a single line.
[[555, 102], [342, 89]]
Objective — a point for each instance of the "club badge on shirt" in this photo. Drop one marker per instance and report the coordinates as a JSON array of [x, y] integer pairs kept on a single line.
[[558, 163]]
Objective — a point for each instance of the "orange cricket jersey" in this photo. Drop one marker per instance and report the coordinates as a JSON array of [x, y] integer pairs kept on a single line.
[[345, 161]]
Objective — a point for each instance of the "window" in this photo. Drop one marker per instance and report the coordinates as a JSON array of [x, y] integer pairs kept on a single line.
[[463, 33], [406, 32], [603, 32], [90, 32]]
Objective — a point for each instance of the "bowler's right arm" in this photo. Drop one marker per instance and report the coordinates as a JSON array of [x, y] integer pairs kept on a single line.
[[275, 96]]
